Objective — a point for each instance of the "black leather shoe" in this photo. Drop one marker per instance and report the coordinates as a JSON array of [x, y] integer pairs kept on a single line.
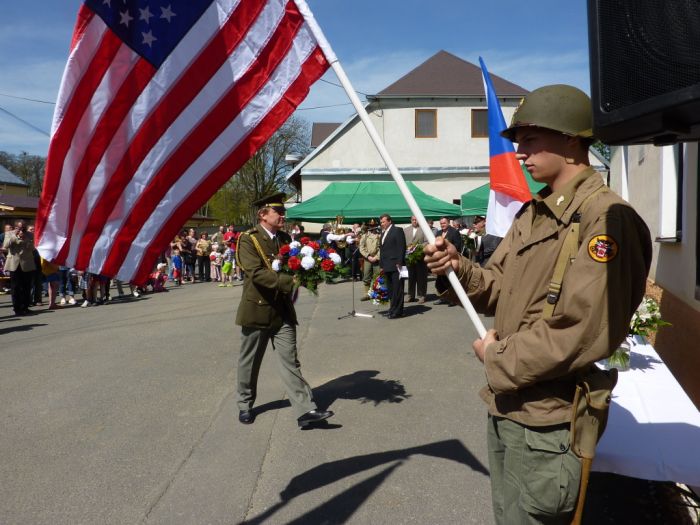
[[314, 416], [246, 417]]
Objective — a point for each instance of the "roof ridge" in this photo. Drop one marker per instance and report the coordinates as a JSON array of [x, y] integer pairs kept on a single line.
[[446, 74]]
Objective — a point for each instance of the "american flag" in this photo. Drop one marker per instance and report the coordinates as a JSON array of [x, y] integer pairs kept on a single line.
[[161, 102]]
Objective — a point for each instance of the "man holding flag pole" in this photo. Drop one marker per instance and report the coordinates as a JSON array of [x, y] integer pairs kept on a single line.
[[156, 110], [563, 286]]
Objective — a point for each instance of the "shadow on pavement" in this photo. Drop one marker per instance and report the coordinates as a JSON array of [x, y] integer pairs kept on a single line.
[[339, 508], [415, 309], [20, 328], [360, 385]]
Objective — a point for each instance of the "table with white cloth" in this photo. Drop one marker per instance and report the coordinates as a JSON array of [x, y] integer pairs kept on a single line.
[[653, 430]]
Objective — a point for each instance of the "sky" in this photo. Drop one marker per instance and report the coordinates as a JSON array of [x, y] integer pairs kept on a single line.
[[377, 41]]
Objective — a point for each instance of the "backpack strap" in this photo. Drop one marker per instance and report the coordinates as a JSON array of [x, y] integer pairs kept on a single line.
[[567, 256]]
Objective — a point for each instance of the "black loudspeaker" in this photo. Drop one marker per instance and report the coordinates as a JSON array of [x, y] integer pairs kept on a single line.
[[645, 70]]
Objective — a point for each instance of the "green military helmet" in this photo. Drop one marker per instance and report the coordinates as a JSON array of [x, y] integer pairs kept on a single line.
[[558, 107]]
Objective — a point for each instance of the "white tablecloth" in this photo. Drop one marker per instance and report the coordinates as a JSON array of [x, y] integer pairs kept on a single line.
[[654, 429]]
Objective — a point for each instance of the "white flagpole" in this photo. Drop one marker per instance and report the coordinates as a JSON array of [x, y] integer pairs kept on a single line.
[[410, 200]]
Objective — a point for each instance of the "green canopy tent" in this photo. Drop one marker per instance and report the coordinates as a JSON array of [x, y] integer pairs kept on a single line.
[[359, 201], [476, 202]]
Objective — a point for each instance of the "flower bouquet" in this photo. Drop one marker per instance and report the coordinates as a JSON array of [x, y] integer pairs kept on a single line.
[[468, 238], [378, 290], [310, 263], [414, 254], [645, 321]]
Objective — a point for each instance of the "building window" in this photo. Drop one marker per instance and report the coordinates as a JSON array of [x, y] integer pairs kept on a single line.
[[426, 123], [480, 123], [670, 194]]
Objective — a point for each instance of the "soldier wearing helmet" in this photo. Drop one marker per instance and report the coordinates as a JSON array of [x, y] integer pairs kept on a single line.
[[563, 286]]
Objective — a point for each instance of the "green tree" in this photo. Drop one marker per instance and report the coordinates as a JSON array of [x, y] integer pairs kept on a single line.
[[29, 168], [603, 149], [263, 174]]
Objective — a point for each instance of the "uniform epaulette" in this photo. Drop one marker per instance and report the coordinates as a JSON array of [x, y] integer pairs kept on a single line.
[[251, 231]]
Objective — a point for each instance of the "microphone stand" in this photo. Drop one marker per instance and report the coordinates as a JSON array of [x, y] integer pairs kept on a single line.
[[353, 313]]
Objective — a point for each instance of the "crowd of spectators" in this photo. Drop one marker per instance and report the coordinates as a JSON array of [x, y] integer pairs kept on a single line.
[[192, 257], [35, 282]]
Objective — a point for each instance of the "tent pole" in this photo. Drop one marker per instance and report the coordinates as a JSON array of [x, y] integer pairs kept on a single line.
[[398, 178]]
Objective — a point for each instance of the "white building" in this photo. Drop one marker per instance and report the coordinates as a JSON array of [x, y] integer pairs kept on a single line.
[[662, 184], [434, 124]]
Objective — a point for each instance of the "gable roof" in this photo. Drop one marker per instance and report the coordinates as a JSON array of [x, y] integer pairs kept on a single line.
[[321, 130], [7, 177], [445, 74]]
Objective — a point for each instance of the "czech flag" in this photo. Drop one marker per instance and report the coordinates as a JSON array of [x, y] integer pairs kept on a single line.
[[509, 189]]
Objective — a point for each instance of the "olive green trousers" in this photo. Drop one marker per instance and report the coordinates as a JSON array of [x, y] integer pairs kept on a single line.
[[284, 342], [535, 476], [369, 272]]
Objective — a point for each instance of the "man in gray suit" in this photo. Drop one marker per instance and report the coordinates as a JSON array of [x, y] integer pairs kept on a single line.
[[20, 264], [418, 272]]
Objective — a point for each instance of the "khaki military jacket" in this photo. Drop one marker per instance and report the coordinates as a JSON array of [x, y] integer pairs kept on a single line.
[[20, 253], [266, 301], [369, 245], [531, 370]]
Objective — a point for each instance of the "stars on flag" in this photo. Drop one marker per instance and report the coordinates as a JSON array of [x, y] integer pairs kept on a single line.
[[148, 38], [145, 14], [152, 28], [167, 13], [125, 17]]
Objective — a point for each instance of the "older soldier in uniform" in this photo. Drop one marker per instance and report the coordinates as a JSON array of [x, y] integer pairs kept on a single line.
[[266, 314], [418, 272], [548, 329], [369, 249]]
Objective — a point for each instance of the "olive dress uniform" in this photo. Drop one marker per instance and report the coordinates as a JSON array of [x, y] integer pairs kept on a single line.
[[531, 370], [369, 247], [266, 313]]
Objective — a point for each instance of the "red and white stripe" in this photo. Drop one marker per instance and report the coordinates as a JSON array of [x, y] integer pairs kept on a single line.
[[136, 151]]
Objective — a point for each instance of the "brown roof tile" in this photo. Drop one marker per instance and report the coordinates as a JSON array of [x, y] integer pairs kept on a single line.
[[321, 130], [19, 201], [445, 74]]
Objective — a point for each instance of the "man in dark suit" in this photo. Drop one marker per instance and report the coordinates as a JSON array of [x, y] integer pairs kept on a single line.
[[418, 272], [266, 313], [392, 253], [450, 233]]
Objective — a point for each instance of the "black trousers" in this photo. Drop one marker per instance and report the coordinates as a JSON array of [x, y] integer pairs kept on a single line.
[[395, 286], [204, 264], [21, 289]]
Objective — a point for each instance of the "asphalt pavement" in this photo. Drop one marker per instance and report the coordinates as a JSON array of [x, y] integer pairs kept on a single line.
[[126, 413]]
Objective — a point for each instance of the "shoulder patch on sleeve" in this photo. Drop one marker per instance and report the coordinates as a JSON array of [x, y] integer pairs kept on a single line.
[[602, 248]]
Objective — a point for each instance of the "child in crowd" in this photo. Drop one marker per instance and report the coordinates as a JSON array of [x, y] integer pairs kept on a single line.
[[229, 263], [176, 259], [51, 276], [216, 257], [89, 284], [158, 278], [132, 289]]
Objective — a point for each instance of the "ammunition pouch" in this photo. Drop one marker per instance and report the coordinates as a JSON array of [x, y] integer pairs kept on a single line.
[[590, 409]]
